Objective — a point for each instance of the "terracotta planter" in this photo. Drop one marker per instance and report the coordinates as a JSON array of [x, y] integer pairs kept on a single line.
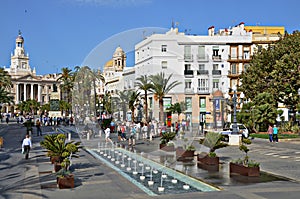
[[208, 167], [66, 182], [205, 159], [165, 147], [184, 154], [242, 170]]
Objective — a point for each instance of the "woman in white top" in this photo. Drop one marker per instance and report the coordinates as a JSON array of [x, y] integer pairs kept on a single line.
[[107, 135], [26, 145]]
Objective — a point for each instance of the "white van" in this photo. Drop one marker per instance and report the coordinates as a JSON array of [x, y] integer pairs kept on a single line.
[[241, 129]]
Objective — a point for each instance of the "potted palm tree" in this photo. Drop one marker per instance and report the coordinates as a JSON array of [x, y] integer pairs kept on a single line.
[[245, 166], [185, 152], [166, 143], [213, 141], [57, 147], [65, 179]]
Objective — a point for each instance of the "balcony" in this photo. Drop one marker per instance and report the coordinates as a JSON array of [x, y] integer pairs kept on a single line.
[[188, 72], [233, 73], [216, 72], [188, 58], [217, 58], [202, 58], [235, 58], [202, 72], [203, 90], [189, 91]]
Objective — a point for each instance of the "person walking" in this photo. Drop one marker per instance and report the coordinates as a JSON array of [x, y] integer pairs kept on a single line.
[[270, 132], [26, 146], [107, 135], [275, 134], [131, 140], [38, 127]]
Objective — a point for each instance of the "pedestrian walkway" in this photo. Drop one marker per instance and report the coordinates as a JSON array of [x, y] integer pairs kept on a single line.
[[93, 179]]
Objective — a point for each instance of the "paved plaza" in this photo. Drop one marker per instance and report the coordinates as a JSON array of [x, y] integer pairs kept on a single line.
[[34, 179]]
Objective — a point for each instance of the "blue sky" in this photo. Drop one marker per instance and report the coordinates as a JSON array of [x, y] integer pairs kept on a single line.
[[62, 33]]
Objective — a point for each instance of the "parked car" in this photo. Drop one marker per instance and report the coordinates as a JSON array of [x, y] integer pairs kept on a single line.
[[242, 129]]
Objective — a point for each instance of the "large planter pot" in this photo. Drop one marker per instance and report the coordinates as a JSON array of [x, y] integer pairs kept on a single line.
[[165, 147], [243, 170], [182, 154], [205, 159], [66, 181], [208, 167]]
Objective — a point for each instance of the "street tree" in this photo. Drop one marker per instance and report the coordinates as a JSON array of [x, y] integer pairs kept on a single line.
[[133, 97], [143, 83], [161, 87], [276, 70]]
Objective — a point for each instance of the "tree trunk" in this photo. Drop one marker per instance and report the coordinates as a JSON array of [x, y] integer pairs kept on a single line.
[[146, 106], [161, 111]]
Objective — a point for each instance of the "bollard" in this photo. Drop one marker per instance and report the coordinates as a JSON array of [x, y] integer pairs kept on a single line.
[[69, 136]]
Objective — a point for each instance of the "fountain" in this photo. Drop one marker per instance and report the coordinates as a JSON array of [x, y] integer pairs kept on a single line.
[[151, 182], [156, 173], [142, 177], [161, 188], [101, 152]]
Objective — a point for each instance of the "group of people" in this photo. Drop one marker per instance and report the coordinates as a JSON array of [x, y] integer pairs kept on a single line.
[[273, 133]]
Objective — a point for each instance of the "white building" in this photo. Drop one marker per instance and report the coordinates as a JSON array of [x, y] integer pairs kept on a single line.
[[198, 62]]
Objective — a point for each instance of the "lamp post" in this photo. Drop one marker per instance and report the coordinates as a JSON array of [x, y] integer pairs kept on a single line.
[[235, 103]]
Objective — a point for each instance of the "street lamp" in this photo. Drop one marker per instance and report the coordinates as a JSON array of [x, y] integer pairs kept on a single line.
[[235, 103]]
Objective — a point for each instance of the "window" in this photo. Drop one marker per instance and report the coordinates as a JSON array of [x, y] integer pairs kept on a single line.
[[246, 53], [188, 104], [233, 69], [201, 66], [202, 103], [246, 66], [216, 83], [201, 52], [188, 83], [215, 50], [234, 53], [164, 64], [54, 88], [203, 84], [187, 66], [163, 48], [167, 101], [187, 52], [215, 66]]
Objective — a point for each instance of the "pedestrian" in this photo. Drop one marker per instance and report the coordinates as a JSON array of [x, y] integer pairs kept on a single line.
[[7, 120], [38, 127], [131, 139], [107, 135], [275, 134], [145, 131], [270, 132], [123, 130], [119, 132], [176, 128], [26, 146]]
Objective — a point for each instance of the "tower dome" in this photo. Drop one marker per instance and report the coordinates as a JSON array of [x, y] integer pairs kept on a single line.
[[118, 52]]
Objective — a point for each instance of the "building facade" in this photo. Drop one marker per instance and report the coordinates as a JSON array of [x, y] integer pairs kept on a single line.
[[26, 84]]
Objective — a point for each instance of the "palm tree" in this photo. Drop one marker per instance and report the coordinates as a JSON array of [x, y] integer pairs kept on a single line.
[[133, 97], [144, 84], [29, 106], [5, 78], [123, 99], [67, 79], [161, 87]]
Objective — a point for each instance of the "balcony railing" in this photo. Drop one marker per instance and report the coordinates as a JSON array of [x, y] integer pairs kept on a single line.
[[188, 58], [235, 57], [216, 72], [203, 90], [216, 58], [202, 58], [189, 91], [202, 72], [189, 72]]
